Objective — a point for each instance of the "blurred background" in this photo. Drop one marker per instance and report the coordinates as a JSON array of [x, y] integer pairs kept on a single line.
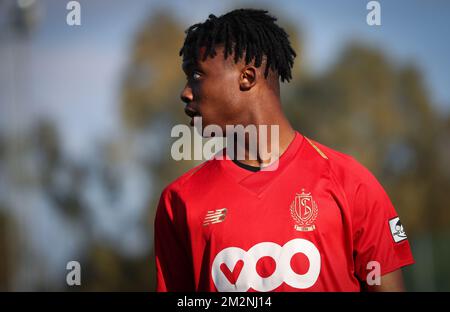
[[86, 113]]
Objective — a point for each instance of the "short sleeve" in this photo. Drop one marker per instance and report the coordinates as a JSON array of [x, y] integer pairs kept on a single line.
[[378, 234], [173, 262]]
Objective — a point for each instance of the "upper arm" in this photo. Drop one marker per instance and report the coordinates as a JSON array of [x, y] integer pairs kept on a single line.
[[173, 261], [378, 235], [391, 282]]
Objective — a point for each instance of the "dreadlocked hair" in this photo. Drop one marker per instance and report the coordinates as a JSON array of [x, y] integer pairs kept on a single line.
[[248, 31]]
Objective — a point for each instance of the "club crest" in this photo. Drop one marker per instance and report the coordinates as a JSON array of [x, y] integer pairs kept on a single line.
[[304, 211]]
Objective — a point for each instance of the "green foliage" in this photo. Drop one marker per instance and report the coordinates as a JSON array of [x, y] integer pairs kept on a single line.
[[7, 267]]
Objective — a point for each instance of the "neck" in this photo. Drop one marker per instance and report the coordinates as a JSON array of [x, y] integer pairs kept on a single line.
[[270, 116]]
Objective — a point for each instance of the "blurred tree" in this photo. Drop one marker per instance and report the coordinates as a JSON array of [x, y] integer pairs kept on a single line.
[[7, 267], [109, 270], [153, 75], [60, 178], [151, 105]]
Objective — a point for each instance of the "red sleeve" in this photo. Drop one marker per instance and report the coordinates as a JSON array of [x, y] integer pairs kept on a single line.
[[173, 260], [378, 234]]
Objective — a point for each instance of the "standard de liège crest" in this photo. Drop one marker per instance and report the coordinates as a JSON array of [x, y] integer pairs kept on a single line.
[[304, 211]]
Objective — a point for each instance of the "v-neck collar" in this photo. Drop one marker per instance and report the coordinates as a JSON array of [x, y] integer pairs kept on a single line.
[[258, 182]]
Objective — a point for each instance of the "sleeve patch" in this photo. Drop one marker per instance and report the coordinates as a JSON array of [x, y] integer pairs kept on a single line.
[[397, 231]]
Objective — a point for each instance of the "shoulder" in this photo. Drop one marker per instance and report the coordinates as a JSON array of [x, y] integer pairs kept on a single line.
[[359, 188], [190, 177], [343, 166], [347, 172]]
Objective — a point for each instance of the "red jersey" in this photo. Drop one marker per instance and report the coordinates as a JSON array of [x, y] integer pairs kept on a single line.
[[316, 223]]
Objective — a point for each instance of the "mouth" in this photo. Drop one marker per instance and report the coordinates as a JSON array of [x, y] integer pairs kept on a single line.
[[191, 113]]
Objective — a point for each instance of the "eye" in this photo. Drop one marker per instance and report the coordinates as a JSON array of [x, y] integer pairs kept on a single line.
[[193, 75]]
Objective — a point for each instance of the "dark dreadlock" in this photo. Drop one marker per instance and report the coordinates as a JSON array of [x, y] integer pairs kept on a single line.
[[245, 30]]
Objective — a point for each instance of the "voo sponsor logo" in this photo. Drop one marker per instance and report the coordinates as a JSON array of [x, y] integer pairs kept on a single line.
[[240, 265]]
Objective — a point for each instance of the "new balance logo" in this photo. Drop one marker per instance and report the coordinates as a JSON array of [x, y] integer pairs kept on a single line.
[[215, 216]]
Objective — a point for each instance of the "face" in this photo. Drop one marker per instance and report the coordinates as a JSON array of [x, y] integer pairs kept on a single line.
[[213, 91]]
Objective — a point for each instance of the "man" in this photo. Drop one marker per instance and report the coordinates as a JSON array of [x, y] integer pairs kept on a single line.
[[319, 221]]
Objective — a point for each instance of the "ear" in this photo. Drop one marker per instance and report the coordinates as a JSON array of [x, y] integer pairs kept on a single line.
[[247, 79]]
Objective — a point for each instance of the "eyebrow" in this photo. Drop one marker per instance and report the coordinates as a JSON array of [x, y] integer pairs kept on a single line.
[[188, 66]]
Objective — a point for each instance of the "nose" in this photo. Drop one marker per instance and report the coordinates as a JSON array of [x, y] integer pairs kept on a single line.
[[186, 94]]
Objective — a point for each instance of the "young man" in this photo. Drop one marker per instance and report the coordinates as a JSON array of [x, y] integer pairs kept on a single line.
[[319, 221]]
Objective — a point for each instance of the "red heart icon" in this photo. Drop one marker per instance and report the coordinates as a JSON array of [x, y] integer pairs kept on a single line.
[[232, 276]]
